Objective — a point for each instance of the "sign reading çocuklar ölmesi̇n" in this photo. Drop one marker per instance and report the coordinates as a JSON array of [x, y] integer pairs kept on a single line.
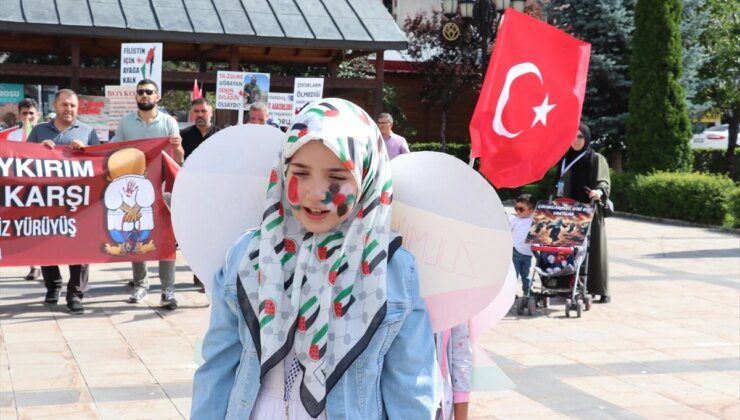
[[305, 90]]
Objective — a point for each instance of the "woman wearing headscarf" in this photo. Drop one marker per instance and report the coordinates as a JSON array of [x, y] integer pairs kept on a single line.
[[583, 175], [317, 313]]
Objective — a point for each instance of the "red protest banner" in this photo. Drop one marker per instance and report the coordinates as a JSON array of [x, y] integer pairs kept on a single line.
[[103, 204]]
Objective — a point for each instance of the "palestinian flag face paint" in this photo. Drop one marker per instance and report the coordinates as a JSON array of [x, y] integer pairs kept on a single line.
[[339, 198], [293, 193]]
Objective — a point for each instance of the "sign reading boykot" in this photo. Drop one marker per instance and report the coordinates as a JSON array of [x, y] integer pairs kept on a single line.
[[104, 204], [530, 104]]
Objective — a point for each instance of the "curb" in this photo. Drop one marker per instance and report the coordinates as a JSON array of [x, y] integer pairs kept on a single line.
[[675, 222], [662, 220]]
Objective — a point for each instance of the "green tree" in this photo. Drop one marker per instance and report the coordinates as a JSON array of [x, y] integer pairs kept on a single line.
[[658, 126], [361, 68], [721, 39], [608, 26], [695, 56], [447, 67]]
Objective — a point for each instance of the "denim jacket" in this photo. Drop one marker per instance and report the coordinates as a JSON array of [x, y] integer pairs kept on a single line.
[[395, 377]]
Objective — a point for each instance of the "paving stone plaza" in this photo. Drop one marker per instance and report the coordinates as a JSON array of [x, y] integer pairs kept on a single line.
[[668, 346]]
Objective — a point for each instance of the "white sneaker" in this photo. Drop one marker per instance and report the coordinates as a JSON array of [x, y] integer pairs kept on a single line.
[[138, 295], [168, 300]]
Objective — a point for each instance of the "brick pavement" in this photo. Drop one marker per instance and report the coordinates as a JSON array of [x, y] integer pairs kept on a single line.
[[668, 345]]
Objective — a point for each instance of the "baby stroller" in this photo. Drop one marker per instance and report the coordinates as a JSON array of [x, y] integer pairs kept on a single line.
[[559, 237]]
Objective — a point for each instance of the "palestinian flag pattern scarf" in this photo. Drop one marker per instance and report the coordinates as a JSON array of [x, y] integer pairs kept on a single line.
[[324, 293]]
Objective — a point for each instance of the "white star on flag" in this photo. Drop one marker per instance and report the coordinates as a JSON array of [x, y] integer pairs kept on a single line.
[[541, 112]]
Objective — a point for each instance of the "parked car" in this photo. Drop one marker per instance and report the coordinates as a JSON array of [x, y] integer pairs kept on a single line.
[[713, 137]]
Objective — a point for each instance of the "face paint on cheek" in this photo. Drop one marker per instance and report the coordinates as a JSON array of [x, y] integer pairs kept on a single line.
[[293, 193], [330, 196]]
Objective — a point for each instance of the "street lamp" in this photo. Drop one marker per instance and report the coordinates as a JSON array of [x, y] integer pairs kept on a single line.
[[483, 15], [449, 8]]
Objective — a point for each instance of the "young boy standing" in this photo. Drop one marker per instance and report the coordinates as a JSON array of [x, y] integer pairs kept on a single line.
[[520, 224]]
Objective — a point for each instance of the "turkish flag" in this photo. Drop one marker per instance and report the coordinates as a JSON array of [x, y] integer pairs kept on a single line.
[[530, 104]]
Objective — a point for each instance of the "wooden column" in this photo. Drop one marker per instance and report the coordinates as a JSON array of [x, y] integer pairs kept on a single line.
[[234, 66], [234, 58], [75, 79], [379, 77]]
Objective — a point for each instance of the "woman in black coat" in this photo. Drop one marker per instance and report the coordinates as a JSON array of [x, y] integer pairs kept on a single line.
[[583, 175]]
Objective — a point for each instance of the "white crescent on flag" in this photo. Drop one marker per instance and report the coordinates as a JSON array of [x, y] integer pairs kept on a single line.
[[540, 111]]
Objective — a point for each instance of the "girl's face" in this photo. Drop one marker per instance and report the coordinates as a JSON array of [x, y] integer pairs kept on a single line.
[[320, 189]]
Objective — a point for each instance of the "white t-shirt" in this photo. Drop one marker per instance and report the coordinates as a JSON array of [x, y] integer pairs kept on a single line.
[[271, 402], [519, 229]]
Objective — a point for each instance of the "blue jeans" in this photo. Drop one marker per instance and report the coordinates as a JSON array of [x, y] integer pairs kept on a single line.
[[522, 264]]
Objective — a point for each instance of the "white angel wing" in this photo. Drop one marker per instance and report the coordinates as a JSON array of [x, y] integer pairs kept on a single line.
[[453, 222], [220, 192]]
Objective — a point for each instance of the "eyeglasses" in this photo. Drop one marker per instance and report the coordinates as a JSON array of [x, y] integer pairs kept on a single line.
[[141, 92], [520, 209]]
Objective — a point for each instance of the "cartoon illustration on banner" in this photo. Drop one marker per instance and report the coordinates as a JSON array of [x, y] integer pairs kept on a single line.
[[129, 198]]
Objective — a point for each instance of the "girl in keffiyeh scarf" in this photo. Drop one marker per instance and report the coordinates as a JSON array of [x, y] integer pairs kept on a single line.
[[317, 312]]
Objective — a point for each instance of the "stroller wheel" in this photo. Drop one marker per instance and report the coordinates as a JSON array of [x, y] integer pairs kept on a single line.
[[589, 302], [545, 302], [567, 308], [579, 308], [531, 306], [520, 306]]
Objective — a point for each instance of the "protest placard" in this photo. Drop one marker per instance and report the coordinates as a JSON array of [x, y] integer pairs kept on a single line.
[[60, 206], [281, 108], [305, 90], [121, 101], [562, 223], [93, 111], [141, 61], [238, 90], [229, 85]]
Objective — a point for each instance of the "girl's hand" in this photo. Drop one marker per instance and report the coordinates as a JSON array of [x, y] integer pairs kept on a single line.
[[461, 411]]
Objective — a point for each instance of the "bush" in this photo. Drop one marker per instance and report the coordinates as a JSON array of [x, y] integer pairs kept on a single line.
[[621, 185], [693, 197], [539, 190], [732, 218], [459, 150], [714, 161]]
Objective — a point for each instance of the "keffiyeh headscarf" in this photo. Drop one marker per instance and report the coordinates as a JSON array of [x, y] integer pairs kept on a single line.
[[322, 294]]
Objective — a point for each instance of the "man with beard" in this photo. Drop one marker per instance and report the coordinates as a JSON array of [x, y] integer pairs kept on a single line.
[[196, 134], [64, 129], [147, 123], [252, 92]]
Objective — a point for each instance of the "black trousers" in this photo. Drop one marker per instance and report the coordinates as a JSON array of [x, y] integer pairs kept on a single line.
[[77, 284]]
